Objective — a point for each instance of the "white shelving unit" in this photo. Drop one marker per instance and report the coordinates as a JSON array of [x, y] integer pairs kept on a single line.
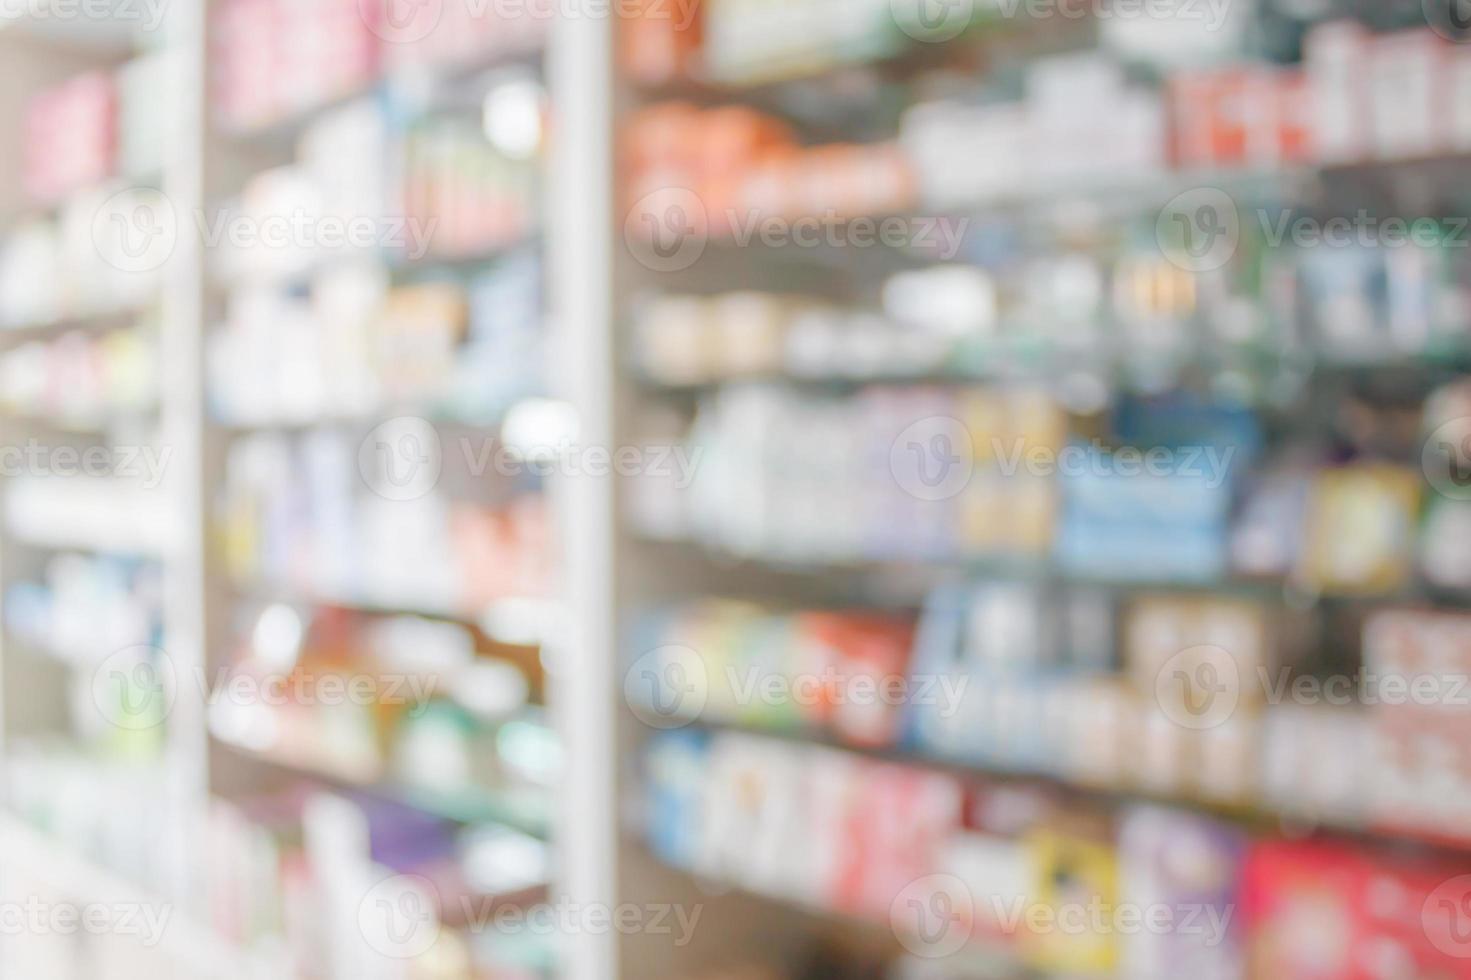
[[175, 526], [164, 525]]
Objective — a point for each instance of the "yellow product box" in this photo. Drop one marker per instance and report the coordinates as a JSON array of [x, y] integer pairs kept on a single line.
[[1070, 924], [1361, 530]]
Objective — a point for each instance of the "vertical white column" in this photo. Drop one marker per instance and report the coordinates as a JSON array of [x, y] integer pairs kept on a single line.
[[580, 287], [186, 593]]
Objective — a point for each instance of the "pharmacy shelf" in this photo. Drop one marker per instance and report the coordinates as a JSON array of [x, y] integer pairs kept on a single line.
[[1296, 821], [189, 944], [100, 322], [94, 517], [417, 78], [652, 568], [467, 805], [1268, 589], [234, 155], [119, 520]]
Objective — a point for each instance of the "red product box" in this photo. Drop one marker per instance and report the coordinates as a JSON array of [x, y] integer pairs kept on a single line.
[[893, 836], [1226, 118], [1295, 117], [661, 40], [862, 662], [1320, 911]]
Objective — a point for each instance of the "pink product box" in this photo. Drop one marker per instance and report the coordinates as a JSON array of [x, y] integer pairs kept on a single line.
[[71, 136]]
